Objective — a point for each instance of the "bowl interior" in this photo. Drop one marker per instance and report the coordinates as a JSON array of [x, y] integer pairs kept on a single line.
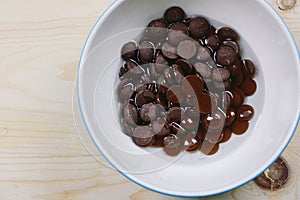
[[265, 40]]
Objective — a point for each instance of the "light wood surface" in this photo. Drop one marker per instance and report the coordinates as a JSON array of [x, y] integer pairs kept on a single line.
[[41, 155]]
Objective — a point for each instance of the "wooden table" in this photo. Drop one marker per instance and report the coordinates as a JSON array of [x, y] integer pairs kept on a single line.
[[41, 154]]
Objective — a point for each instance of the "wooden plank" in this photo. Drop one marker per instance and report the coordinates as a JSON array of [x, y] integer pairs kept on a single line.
[[41, 154]]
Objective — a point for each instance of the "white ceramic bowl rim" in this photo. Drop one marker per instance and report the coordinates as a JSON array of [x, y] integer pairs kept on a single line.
[[91, 35]]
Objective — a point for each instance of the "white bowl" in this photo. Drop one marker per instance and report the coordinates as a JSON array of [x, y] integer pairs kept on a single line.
[[242, 158]]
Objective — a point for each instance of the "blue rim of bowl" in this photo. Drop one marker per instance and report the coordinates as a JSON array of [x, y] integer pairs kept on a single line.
[[109, 8]]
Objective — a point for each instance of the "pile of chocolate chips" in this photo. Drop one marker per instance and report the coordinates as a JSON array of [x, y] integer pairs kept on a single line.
[[184, 84]]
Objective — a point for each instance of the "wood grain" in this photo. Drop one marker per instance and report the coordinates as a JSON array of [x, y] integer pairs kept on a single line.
[[41, 154]]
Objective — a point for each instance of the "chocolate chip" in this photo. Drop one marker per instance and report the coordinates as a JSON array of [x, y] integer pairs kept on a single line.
[[123, 71], [134, 68], [203, 54], [207, 103], [145, 79], [212, 64], [187, 21], [178, 32], [161, 111], [226, 135], [130, 114], [220, 74], [212, 41], [146, 38], [237, 97], [190, 123], [126, 128], [212, 30], [223, 85], [160, 127], [192, 112], [187, 49], [174, 14], [151, 87], [160, 63], [140, 87], [142, 136], [152, 38], [172, 145], [146, 52], [239, 127], [171, 104], [158, 141], [125, 91], [175, 94], [192, 85], [201, 131], [177, 129], [230, 116], [144, 97], [199, 26], [244, 113], [161, 84], [226, 56], [148, 112], [161, 100], [214, 136], [214, 121], [191, 142], [123, 82], [248, 69], [227, 33], [275, 177], [236, 68], [224, 99], [174, 115], [157, 28], [208, 84], [152, 71], [190, 100], [208, 148], [168, 74], [234, 45], [178, 73], [237, 80], [202, 69], [129, 51], [185, 66], [249, 87], [169, 51]]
